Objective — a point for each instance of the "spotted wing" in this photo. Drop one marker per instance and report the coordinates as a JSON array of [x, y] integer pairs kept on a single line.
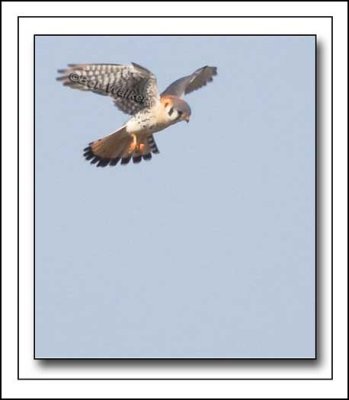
[[132, 87], [192, 82]]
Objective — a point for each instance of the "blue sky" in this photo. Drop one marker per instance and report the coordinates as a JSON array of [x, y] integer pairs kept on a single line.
[[208, 249]]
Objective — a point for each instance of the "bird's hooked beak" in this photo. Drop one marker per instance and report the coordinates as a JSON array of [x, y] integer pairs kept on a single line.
[[187, 118]]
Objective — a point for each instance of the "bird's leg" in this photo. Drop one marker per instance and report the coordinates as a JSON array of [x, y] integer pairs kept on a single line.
[[134, 146]]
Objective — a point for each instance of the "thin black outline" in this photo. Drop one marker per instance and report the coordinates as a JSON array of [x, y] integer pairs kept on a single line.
[[187, 359]]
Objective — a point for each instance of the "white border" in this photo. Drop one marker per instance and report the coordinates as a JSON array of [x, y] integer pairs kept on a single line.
[[31, 26], [30, 368]]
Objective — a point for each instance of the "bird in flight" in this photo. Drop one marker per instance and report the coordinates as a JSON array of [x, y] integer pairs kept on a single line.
[[134, 91]]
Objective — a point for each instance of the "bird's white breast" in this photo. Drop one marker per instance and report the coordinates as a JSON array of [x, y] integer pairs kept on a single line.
[[149, 121]]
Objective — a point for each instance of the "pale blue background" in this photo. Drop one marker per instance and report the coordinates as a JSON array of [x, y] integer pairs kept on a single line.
[[208, 249]]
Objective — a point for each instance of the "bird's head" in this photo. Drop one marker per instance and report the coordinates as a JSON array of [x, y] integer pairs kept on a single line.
[[177, 109]]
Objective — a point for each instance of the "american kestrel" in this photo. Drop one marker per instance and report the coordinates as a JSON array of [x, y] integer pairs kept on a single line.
[[135, 92]]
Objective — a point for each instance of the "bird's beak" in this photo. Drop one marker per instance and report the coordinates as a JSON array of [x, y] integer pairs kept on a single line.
[[187, 118]]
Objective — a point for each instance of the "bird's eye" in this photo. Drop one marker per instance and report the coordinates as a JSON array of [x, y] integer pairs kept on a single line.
[[170, 111], [179, 113]]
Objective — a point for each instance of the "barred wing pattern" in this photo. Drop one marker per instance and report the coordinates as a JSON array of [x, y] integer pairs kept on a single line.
[[192, 82], [132, 87]]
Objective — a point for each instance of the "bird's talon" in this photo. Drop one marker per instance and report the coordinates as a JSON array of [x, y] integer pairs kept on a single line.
[[136, 147], [133, 145]]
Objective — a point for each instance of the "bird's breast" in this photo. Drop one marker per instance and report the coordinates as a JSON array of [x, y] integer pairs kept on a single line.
[[149, 121]]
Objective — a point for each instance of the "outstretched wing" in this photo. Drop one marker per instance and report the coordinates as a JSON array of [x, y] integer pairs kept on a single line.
[[191, 82], [132, 87]]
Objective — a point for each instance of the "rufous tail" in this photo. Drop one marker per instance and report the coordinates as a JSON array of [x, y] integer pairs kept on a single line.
[[120, 146]]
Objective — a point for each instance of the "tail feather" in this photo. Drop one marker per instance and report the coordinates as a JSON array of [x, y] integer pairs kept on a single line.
[[153, 147], [120, 146]]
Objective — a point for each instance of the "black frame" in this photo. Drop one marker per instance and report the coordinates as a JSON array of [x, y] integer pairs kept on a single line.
[[192, 360]]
